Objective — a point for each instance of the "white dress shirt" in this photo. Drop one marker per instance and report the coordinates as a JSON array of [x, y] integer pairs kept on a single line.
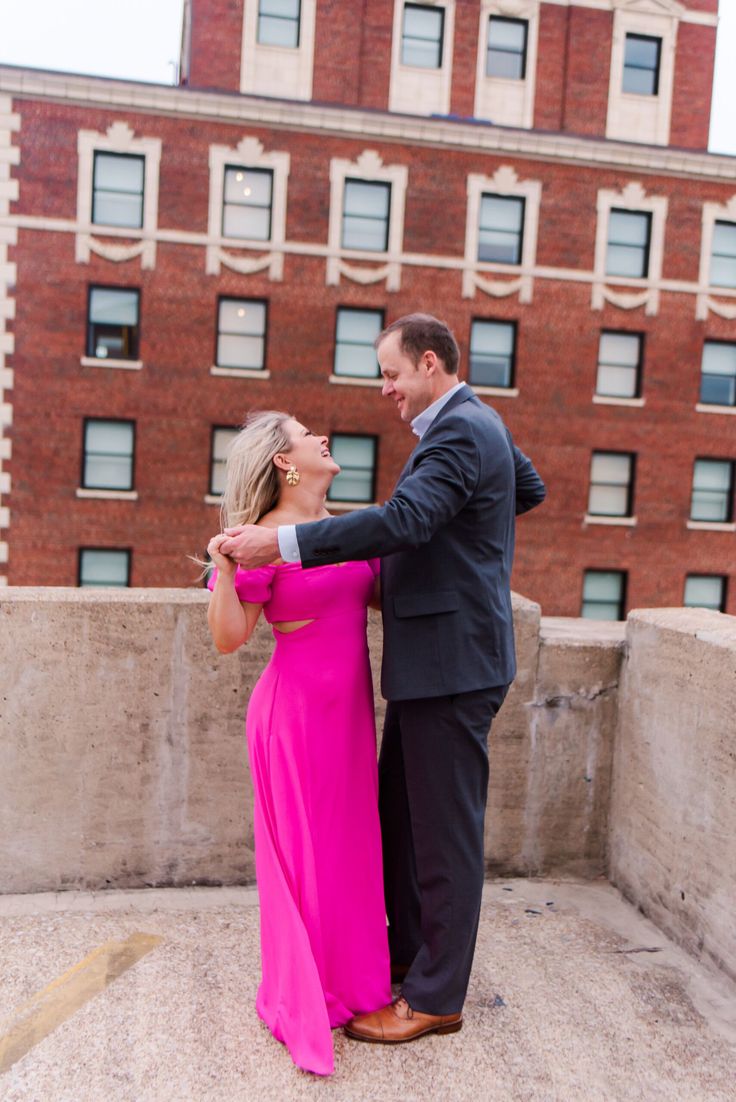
[[288, 543]]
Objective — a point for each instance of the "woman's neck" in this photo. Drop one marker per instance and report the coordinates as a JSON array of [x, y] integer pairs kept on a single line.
[[300, 504]]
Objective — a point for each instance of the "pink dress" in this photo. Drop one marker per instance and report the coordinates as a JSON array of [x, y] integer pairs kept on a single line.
[[312, 749]]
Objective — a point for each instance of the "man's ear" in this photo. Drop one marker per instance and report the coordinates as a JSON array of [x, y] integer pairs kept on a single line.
[[430, 362]]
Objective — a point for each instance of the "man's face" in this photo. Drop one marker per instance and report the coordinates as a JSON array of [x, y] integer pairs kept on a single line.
[[408, 384]]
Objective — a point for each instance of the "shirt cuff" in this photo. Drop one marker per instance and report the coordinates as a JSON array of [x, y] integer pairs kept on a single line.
[[288, 543]]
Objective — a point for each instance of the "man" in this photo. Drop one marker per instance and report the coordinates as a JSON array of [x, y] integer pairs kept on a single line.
[[446, 541]]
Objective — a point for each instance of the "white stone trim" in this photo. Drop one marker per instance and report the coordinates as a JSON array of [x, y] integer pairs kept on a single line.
[[645, 291], [422, 91], [278, 70], [705, 18], [355, 380], [712, 213], [9, 156], [119, 365], [213, 499], [248, 153], [107, 495], [119, 138], [476, 274], [369, 167], [594, 518], [635, 117], [496, 391], [701, 407], [383, 126], [710, 526], [605, 400], [241, 372], [507, 102]]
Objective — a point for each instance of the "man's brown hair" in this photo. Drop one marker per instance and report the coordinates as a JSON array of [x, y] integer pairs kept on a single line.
[[420, 333]]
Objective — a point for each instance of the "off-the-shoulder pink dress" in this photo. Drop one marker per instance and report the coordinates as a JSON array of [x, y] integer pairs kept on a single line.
[[312, 748]]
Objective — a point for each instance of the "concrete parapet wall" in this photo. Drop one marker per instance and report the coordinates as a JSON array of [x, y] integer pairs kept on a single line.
[[673, 810], [124, 762]]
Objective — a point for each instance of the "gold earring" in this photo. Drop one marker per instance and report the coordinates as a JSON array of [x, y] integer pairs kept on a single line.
[[292, 476]]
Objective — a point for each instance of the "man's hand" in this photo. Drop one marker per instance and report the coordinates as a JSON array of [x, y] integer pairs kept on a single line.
[[250, 545]]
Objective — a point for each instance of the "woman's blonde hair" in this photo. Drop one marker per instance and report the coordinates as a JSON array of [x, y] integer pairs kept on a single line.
[[251, 478]]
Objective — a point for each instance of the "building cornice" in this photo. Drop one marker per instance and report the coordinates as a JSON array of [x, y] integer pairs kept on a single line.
[[458, 134]]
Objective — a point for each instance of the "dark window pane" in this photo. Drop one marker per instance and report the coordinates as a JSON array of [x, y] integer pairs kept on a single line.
[[112, 330]]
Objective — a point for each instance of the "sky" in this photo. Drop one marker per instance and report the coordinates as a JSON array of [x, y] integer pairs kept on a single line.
[[139, 40]]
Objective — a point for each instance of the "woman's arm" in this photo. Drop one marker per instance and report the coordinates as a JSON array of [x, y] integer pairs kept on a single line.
[[231, 621]]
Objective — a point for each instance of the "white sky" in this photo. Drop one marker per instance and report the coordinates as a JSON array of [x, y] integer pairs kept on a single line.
[[139, 40]]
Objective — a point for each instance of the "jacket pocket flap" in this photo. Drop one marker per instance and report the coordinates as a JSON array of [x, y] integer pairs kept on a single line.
[[426, 604]]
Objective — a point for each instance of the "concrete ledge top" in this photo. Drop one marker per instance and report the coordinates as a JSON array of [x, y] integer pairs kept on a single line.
[[702, 623], [31, 594], [582, 632]]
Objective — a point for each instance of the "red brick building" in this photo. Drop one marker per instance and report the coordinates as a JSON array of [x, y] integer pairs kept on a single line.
[[534, 171]]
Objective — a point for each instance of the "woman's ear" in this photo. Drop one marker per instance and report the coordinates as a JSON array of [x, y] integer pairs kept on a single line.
[[281, 461]]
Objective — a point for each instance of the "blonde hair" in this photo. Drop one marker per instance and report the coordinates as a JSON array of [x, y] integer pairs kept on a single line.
[[251, 479]]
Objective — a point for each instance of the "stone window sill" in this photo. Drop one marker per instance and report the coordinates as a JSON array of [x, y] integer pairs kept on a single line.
[[496, 391], [710, 526], [240, 372], [702, 407], [108, 495], [626, 522], [355, 380], [213, 499], [605, 400], [99, 361]]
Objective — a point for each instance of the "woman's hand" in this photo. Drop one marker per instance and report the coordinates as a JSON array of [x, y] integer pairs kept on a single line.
[[225, 565]]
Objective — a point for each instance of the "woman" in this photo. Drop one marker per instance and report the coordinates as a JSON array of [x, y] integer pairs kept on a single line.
[[311, 744]]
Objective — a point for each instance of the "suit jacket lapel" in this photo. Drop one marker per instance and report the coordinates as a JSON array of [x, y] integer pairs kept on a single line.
[[461, 395]]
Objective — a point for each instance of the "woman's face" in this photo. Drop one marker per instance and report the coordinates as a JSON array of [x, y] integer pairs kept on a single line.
[[309, 453]]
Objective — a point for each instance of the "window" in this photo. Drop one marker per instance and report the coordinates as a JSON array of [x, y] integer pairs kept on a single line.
[[222, 438], [112, 323], [604, 594], [241, 334], [117, 189], [611, 484], [246, 207], [108, 455], [712, 490], [619, 365], [723, 255], [278, 23], [705, 591], [641, 64], [356, 455], [365, 216], [421, 36], [506, 55], [354, 336], [501, 229], [98, 567], [718, 379], [628, 244], [492, 353]]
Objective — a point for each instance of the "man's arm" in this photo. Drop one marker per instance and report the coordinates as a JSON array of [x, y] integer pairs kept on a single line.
[[530, 490], [441, 484]]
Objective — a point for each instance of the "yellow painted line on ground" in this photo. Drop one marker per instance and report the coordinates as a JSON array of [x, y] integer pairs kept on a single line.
[[61, 998]]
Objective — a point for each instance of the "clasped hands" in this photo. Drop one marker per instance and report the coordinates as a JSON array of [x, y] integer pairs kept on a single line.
[[247, 545]]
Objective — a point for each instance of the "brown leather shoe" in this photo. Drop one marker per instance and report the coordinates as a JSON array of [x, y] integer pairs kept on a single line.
[[398, 1022]]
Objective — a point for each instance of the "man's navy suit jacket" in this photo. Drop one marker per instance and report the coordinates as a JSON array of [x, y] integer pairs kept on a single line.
[[446, 542]]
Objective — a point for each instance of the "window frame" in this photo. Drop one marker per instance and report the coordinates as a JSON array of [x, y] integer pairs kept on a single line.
[[631, 456], [251, 206], [120, 156], [262, 370], [647, 248], [386, 184], [701, 400], [723, 578], [732, 256], [514, 325], [280, 46], [623, 575], [424, 7], [374, 474], [356, 310], [525, 52], [518, 199], [728, 519], [90, 350], [214, 429], [112, 421], [128, 551], [642, 38], [638, 369]]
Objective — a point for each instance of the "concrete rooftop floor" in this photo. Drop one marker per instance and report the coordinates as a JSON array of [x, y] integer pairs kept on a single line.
[[574, 996]]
